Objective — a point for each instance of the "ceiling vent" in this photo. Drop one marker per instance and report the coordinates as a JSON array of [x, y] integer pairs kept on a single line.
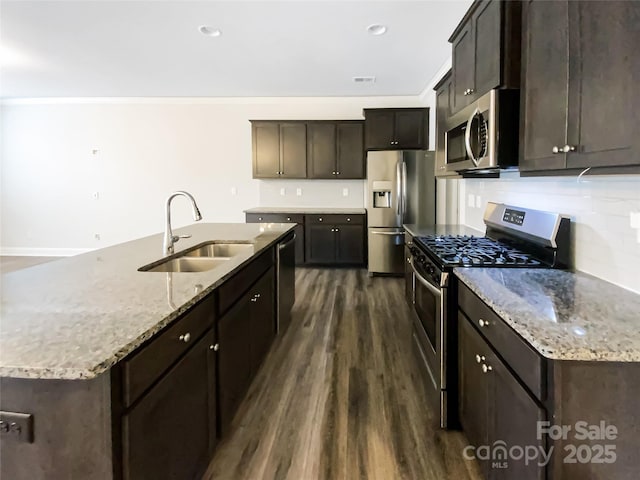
[[364, 79]]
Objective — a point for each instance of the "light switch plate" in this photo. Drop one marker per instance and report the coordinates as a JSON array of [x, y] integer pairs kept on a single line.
[[299, 192], [234, 191], [283, 192], [471, 200], [345, 192]]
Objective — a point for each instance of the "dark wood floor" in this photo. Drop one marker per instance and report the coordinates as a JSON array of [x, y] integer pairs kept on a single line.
[[339, 396]]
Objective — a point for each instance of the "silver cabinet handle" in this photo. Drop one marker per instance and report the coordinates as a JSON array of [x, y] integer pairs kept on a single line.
[[185, 337], [320, 219], [337, 229], [480, 358], [348, 219], [555, 150], [215, 347], [254, 299], [288, 219], [483, 323], [486, 368], [260, 218], [337, 173], [257, 295], [568, 148]]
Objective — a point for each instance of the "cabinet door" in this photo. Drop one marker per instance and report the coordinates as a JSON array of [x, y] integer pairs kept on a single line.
[[321, 244], [486, 32], [293, 150], [170, 432], [463, 67], [266, 150], [473, 386], [350, 244], [378, 129], [602, 50], [443, 110], [263, 322], [234, 361], [513, 415], [545, 93], [410, 129], [350, 150], [321, 150]]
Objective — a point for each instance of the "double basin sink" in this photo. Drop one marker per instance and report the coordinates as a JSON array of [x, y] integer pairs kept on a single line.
[[200, 258]]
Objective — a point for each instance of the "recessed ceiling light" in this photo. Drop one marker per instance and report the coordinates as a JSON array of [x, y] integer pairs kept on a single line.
[[209, 31], [376, 29]]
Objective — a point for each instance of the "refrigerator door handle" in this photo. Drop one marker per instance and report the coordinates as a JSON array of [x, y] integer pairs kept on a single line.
[[404, 190], [398, 188]]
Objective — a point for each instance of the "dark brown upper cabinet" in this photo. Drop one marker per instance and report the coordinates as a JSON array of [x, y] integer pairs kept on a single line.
[[485, 50], [396, 128], [444, 97], [335, 149], [579, 101], [279, 149]]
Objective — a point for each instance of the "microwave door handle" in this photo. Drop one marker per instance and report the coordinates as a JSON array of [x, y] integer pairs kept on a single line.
[[467, 138]]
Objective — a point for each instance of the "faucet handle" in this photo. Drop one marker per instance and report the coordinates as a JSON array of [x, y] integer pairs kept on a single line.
[[188, 235], [175, 238]]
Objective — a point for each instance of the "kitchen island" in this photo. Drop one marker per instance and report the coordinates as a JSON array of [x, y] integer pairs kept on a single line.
[[549, 360], [111, 372]]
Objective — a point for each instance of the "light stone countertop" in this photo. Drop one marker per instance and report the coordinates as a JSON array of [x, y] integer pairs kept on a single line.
[[563, 315], [309, 210], [76, 317]]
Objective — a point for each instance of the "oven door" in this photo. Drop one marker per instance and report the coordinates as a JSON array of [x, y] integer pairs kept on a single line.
[[429, 304]]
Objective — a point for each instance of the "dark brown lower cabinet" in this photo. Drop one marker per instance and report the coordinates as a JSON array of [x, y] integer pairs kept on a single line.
[[170, 432], [245, 334], [496, 411], [341, 244]]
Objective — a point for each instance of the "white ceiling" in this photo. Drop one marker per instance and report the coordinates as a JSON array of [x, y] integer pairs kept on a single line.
[[267, 48]]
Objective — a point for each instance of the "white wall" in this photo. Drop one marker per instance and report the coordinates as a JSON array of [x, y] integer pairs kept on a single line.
[[147, 148], [605, 244]]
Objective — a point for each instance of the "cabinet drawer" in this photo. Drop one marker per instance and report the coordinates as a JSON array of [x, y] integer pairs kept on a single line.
[[146, 366], [515, 351], [235, 287], [274, 218], [334, 219]]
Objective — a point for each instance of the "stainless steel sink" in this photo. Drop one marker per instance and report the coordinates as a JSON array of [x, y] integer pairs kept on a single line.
[[186, 264], [217, 250]]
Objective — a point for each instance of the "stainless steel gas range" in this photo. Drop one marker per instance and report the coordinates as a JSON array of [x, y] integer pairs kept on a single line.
[[515, 238]]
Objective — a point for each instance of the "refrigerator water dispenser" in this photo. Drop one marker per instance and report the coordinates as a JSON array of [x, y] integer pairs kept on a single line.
[[381, 194]]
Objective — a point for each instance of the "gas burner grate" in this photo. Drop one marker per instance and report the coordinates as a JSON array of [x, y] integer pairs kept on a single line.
[[463, 250]]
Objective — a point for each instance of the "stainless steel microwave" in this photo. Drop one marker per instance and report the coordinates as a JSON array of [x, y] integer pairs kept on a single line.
[[483, 136]]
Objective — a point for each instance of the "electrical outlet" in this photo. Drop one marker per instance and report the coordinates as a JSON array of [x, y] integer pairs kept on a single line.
[[16, 426], [299, 192], [96, 236], [95, 151], [234, 191], [345, 192], [96, 195], [634, 219], [471, 201], [283, 192]]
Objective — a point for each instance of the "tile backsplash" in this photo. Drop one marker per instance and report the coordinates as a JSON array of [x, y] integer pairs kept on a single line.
[[602, 211]]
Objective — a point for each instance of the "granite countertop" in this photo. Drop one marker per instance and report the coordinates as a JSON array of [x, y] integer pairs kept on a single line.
[[423, 230], [76, 317], [563, 315], [326, 211]]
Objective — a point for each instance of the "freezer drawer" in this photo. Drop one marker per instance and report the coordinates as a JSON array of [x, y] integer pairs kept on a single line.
[[386, 250]]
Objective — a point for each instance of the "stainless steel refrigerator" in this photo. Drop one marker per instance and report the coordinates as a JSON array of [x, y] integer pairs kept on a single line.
[[401, 189]]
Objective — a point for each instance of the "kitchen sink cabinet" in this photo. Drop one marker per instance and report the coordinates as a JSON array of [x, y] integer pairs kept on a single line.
[[485, 51], [396, 128], [579, 101], [279, 149], [245, 334], [335, 239], [171, 432], [335, 150]]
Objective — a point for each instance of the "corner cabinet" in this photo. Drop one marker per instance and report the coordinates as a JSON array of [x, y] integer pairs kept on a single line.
[[396, 128], [279, 149], [579, 101], [485, 50]]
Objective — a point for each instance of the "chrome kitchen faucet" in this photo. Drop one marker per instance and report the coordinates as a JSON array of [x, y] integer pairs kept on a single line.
[[169, 237]]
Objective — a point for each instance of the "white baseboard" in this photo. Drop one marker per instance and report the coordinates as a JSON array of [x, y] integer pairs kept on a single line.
[[41, 252]]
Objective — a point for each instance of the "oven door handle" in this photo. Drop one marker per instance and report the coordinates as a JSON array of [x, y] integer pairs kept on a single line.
[[425, 282]]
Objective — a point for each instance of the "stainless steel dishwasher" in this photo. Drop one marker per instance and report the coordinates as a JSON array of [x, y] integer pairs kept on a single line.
[[286, 281]]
